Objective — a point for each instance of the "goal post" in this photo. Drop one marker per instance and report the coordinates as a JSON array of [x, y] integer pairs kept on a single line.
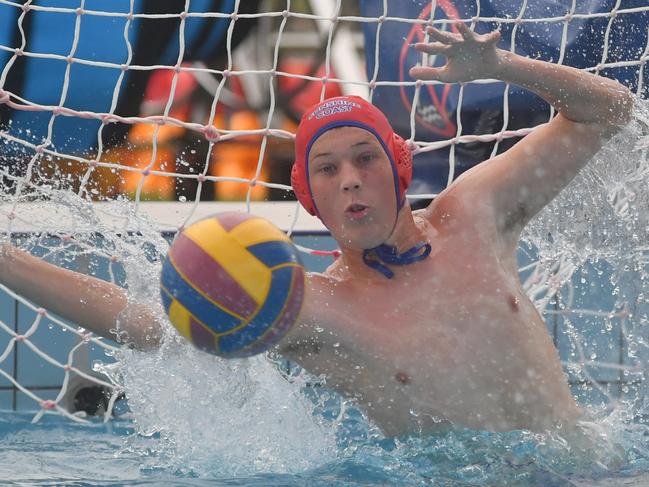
[[137, 118]]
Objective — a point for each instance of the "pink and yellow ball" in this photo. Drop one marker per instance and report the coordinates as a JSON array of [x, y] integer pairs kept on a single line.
[[233, 284]]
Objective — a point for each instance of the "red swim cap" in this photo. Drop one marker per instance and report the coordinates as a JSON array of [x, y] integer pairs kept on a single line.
[[348, 111]]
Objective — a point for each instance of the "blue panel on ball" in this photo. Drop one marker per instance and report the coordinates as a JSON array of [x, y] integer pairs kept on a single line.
[[166, 300], [203, 309], [280, 286], [275, 252]]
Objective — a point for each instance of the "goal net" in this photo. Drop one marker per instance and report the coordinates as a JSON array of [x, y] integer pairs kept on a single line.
[[121, 122]]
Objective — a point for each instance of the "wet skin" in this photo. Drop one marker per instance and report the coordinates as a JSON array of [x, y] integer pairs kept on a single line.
[[449, 340]]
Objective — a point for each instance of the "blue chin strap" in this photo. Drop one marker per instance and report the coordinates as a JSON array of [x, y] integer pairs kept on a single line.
[[377, 257]]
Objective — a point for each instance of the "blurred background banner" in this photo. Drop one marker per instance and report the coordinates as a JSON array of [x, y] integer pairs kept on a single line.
[[105, 43], [153, 41], [543, 32]]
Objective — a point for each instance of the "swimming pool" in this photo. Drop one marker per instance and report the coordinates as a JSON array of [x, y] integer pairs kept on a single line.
[[58, 452], [194, 419]]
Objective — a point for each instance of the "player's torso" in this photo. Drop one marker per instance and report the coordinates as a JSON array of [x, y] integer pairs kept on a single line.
[[452, 338]]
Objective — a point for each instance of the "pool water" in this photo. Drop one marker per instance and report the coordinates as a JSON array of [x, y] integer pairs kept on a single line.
[[613, 451]]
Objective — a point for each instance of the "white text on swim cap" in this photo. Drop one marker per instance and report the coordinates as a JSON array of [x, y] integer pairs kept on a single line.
[[332, 107]]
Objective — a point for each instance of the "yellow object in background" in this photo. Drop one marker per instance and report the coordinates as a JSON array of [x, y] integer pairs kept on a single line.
[[237, 158]]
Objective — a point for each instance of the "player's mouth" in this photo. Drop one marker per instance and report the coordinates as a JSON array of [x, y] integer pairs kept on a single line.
[[356, 211]]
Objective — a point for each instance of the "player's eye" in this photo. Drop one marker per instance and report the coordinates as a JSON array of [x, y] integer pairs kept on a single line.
[[366, 157], [327, 168]]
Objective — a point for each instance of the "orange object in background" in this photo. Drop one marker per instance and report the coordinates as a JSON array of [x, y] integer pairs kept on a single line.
[[138, 155], [238, 157], [138, 152]]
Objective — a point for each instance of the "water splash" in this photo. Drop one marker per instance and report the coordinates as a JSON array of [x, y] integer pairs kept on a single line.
[[593, 238], [193, 413], [202, 416], [604, 212], [208, 416]]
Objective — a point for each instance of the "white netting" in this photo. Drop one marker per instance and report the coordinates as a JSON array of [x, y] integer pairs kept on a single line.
[[152, 161]]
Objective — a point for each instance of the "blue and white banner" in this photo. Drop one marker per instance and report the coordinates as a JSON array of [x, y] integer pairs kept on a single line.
[[540, 34]]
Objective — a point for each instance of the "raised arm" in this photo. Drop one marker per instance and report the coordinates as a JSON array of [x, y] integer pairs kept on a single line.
[[87, 301], [521, 181]]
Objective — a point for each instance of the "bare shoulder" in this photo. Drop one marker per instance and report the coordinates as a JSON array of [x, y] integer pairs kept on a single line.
[[464, 214], [458, 206], [506, 191]]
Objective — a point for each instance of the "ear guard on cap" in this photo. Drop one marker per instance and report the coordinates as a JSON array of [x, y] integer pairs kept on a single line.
[[403, 160]]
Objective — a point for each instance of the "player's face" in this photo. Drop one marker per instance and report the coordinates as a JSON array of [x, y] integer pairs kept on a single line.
[[353, 187]]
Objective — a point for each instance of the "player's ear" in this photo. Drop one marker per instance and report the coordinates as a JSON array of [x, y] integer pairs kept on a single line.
[[301, 190]]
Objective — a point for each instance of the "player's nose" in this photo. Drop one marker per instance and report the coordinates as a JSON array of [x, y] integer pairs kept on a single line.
[[350, 178]]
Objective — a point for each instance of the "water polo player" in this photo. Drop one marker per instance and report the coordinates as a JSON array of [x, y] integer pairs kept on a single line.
[[422, 318]]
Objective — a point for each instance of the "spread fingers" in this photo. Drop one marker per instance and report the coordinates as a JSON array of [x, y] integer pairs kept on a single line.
[[432, 47], [428, 73], [463, 29], [442, 36]]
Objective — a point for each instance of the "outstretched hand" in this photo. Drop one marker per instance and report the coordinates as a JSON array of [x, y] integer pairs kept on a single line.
[[469, 56]]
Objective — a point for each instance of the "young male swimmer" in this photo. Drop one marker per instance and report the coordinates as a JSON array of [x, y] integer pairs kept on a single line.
[[422, 319]]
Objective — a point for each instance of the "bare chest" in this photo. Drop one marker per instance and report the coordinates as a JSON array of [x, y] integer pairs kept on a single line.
[[435, 342], [452, 338], [454, 293], [448, 312]]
